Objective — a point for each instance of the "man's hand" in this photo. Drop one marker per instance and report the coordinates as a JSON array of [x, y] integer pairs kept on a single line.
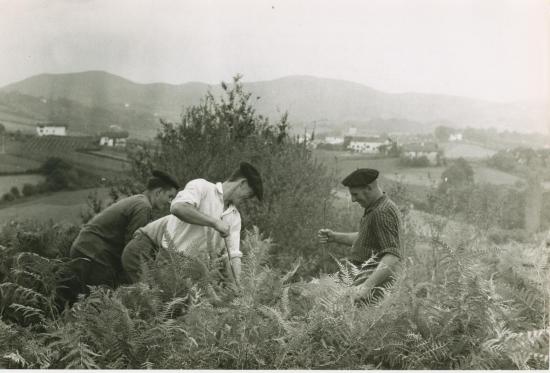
[[325, 235], [360, 294], [221, 227]]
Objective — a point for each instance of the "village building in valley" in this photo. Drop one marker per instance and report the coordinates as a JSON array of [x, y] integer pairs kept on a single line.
[[430, 150], [113, 138], [51, 129], [365, 144]]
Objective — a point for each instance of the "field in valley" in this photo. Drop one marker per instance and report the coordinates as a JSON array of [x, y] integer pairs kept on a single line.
[[344, 163], [466, 150], [8, 182], [65, 206], [12, 163]]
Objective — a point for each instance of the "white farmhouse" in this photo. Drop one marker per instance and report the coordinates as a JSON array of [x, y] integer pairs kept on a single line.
[[51, 129], [333, 140], [368, 145], [430, 150], [113, 138], [455, 137]]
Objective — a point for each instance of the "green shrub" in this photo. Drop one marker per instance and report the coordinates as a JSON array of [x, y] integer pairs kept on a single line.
[[15, 192], [421, 161], [209, 143], [28, 189], [8, 197]]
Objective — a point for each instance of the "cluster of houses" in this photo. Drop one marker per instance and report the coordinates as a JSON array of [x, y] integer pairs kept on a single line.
[[115, 137], [378, 144]]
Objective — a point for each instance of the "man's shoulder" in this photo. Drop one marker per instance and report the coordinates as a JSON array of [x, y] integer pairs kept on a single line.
[[200, 183], [136, 201], [387, 207], [131, 200], [121, 207]]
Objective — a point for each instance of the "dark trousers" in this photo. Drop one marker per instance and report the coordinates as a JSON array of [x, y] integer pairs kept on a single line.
[[141, 249], [82, 272]]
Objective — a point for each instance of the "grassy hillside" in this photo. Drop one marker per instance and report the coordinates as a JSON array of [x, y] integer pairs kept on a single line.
[[465, 150], [70, 148], [8, 182], [11, 163], [64, 206], [23, 111], [307, 99], [344, 163], [17, 122]]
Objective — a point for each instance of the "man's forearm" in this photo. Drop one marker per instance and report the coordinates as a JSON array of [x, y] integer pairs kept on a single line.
[[191, 215], [344, 238], [387, 267], [236, 264]]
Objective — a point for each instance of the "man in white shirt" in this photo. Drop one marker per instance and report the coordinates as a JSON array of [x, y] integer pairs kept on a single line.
[[198, 211]]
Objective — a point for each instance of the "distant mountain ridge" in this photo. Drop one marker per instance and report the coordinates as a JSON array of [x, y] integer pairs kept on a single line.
[[328, 104]]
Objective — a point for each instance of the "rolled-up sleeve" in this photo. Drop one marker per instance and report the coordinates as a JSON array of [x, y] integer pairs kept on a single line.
[[387, 229], [192, 194], [234, 239]]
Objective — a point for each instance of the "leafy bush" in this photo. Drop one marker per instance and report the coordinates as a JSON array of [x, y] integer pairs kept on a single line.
[[484, 205], [15, 192], [421, 161], [8, 197], [209, 143], [458, 174], [28, 189]]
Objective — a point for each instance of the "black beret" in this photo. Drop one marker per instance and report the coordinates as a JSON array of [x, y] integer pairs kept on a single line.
[[161, 179], [360, 177], [253, 179]]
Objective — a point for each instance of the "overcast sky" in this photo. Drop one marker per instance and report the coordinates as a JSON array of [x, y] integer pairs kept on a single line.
[[492, 49]]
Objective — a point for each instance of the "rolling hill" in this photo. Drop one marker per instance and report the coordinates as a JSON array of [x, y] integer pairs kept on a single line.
[[327, 102]]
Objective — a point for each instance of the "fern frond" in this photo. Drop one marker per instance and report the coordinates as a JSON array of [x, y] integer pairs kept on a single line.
[[277, 316], [15, 357], [147, 365], [28, 311], [21, 272], [285, 306], [171, 307], [81, 357], [291, 273]]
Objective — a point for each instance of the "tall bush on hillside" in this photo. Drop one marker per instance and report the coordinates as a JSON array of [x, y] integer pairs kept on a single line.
[[215, 135], [59, 174], [15, 192], [482, 205], [458, 174], [28, 189]]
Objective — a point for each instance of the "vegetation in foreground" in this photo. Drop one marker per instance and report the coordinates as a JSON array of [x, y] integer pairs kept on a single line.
[[463, 305]]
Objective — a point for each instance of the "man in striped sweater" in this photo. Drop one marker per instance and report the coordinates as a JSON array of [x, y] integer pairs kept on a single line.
[[377, 246]]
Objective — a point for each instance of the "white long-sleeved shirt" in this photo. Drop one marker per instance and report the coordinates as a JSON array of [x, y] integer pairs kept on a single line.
[[206, 197]]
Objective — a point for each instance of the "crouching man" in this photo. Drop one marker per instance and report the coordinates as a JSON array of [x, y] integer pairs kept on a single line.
[[379, 238], [98, 247], [200, 209]]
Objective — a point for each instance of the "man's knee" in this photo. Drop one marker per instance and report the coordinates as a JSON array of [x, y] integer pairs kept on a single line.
[[138, 251]]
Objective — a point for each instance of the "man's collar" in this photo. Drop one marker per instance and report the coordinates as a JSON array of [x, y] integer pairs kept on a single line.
[[376, 203], [219, 188], [231, 207]]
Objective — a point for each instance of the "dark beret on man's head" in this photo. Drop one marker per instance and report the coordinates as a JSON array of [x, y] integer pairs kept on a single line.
[[360, 177], [162, 180], [252, 177]]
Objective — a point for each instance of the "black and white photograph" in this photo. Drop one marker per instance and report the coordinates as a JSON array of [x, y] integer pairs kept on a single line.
[[275, 184]]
